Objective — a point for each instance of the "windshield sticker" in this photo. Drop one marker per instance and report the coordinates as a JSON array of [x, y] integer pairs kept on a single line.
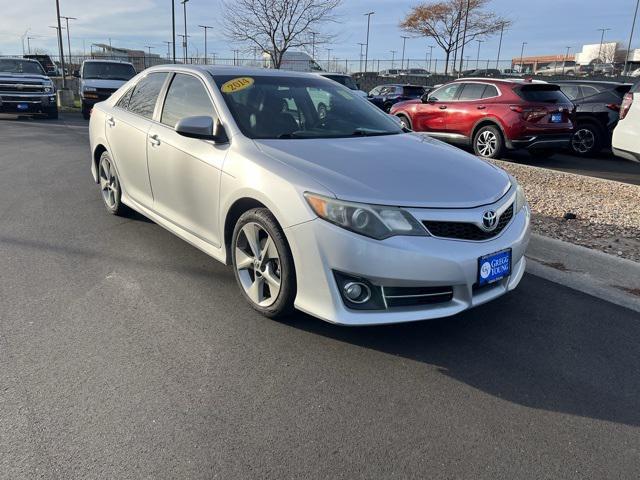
[[236, 84]]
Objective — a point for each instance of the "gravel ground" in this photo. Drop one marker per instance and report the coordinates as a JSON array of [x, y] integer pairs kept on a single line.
[[607, 213]]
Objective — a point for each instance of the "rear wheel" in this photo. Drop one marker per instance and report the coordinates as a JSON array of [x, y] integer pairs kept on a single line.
[[263, 263], [405, 122], [110, 188], [488, 142], [586, 140]]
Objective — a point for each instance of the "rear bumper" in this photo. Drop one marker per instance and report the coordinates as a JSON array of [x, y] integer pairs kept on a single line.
[[546, 141], [634, 157], [27, 104]]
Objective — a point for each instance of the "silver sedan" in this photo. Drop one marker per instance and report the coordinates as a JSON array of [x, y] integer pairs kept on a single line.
[[319, 200]]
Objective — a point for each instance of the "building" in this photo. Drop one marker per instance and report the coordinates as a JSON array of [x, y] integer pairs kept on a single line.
[[532, 64], [139, 58]]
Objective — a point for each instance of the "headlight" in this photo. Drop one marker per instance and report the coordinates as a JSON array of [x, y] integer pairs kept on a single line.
[[89, 89], [370, 220], [520, 198]]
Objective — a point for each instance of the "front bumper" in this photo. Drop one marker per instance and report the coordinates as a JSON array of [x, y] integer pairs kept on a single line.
[[320, 248], [542, 141], [27, 103]]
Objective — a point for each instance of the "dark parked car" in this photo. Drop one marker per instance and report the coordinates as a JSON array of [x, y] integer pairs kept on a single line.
[[492, 115], [385, 96], [597, 112]]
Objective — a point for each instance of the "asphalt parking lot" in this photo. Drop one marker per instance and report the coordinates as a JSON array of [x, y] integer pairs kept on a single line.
[[127, 353]]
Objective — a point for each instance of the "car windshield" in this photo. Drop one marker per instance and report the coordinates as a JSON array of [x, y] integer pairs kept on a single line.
[[345, 80], [9, 65], [108, 71], [270, 107]]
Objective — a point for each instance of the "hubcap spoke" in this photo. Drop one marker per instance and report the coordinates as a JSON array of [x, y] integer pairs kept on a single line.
[[272, 280], [251, 232], [243, 261], [256, 291]]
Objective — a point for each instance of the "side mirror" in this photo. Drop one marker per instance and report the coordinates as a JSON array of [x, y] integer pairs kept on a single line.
[[427, 99], [76, 73], [203, 128]]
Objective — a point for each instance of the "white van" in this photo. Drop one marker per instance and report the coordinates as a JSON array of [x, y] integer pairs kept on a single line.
[[295, 61]]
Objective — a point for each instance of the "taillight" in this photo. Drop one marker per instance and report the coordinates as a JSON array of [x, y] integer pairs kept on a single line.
[[529, 114], [613, 106], [626, 105]]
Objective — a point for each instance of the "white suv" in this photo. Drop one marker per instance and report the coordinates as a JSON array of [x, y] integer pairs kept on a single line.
[[626, 136]]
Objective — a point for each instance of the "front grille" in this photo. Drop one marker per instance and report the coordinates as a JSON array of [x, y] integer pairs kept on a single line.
[[24, 87], [467, 231], [416, 296], [19, 99]]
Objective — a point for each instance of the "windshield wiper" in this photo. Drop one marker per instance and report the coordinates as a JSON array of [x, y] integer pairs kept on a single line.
[[361, 132]]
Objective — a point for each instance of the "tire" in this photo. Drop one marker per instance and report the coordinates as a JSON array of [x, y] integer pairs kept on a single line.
[[405, 121], [488, 142], [586, 140], [110, 187], [52, 114], [542, 153], [86, 111], [257, 278]]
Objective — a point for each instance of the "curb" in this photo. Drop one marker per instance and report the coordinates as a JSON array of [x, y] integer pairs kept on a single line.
[[616, 280]]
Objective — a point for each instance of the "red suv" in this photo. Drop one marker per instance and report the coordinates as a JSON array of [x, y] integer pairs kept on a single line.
[[493, 115]]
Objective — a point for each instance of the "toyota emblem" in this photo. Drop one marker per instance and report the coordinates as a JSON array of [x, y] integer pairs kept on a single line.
[[489, 220]]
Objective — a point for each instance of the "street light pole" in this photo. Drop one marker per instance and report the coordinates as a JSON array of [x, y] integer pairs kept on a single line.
[[366, 52], [313, 45], [633, 26], [404, 44], [68, 35], [478, 57], [173, 28], [64, 80], [361, 54], [521, 57], [500, 46], [564, 63], [464, 34], [329, 50], [393, 58], [601, 42], [29, 43], [184, 5], [430, 56], [148, 47], [206, 27], [168, 42]]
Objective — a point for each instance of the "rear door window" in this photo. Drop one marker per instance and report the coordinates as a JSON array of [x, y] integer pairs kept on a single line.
[[542, 94], [186, 97], [472, 91], [490, 92], [571, 91], [144, 97]]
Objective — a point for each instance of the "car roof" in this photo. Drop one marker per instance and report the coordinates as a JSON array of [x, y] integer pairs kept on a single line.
[[591, 82], [231, 70], [99, 60], [22, 59], [336, 74], [513, 81]]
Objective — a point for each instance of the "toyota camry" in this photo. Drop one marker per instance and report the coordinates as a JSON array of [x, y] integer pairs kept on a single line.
[[320, 201]]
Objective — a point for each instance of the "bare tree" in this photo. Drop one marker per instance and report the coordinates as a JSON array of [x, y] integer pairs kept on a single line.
[[444, 20], [275, 26], [608, 53]]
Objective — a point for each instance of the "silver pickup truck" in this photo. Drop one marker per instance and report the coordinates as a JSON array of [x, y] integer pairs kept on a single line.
[[25, 89]]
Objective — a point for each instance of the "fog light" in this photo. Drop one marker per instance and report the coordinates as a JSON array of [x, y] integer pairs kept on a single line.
[[357, 292]]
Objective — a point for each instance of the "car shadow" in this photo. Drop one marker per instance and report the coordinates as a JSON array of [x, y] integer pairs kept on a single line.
[[543, 346]]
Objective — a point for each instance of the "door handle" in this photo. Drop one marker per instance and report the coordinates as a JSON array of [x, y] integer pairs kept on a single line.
[[111, 122], [481, 107], [154, 140], [443, 107]]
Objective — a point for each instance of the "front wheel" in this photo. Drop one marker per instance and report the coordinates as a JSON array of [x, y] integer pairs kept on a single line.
[[110, 187], [488, 142], [263, 263]]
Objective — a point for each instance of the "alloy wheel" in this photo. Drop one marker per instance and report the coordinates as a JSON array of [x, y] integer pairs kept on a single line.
[[109, 185], [583, 140], [258, 264], [487, 143]]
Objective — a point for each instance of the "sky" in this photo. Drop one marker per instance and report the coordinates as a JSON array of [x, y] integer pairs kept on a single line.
[[548, 26]]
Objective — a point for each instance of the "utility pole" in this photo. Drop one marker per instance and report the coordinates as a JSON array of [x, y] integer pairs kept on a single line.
[[464, 34], [500, 46], [184, 5], [29, 44], [313, 45], [521, 57], [361, 54], [478, 57], [366, 52], [68, 35], [59, 34], [206, 27], [329, 50], [64, 79], [173, 28], [184, 45], [601, 42], [633, 26], [430, 56], [393, 58], [564, 63], [168, 42], [148, 47], [404, 44]]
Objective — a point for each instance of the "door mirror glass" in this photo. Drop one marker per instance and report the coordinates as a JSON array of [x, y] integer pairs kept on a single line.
[[201, 127]]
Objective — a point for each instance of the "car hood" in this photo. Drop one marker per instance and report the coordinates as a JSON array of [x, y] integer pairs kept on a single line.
[[103, 83], [17, 77], [410, 170]]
